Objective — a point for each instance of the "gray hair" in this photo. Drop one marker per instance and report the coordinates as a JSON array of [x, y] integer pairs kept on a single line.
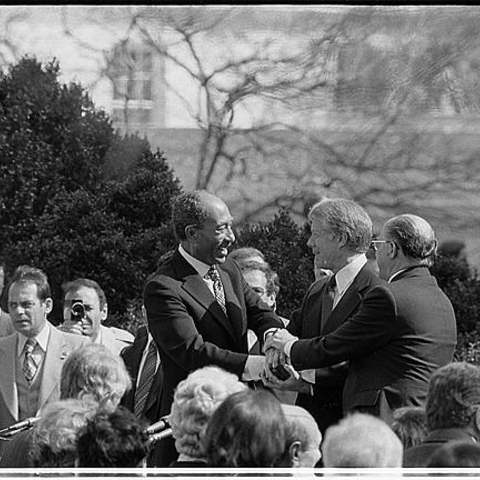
[[195, 400], [414, 236], [345, 218], [362, 441]]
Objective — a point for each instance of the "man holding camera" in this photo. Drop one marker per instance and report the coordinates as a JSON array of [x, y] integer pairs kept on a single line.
[[84, 309]]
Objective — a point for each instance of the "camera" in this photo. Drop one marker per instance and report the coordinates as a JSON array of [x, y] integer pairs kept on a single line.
[[77, 310]]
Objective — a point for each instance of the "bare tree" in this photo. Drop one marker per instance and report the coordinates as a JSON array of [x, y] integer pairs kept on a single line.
[[362, 95]]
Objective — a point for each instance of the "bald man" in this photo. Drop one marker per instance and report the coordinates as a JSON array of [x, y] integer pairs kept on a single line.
[[304, 437], [403, 331]]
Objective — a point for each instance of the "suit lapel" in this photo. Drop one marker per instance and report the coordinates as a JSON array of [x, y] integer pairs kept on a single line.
[[312, 323], [8, 355], [57, 351], [234, 320], [197, 288], [349, 302]]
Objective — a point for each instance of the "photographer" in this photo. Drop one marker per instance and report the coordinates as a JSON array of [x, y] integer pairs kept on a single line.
[[84, 309]]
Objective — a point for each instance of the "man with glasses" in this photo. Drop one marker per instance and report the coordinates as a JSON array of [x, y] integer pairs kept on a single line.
[[401, 334], [341, 232]]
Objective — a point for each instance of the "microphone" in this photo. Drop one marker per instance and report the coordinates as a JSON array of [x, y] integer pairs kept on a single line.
[[159, 436], [18, 427], [162, 424]]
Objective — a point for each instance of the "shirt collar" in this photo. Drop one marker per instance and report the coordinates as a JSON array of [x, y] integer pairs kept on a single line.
[[41, 338], [200, 267], [396, 274], [345, 276]]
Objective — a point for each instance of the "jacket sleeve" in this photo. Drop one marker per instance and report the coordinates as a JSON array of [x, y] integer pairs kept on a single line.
[[369, 329], [173, 328]]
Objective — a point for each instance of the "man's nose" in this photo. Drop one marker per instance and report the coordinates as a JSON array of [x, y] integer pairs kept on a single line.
[[230, 234]]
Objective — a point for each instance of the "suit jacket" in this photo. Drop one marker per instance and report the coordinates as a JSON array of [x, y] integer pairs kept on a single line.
[[326, 403], [419, 455], [132, 357], [191, 329], [60, 345], [401, 334]]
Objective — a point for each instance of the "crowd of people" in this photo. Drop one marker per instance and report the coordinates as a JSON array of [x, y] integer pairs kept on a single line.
[[216, 378]]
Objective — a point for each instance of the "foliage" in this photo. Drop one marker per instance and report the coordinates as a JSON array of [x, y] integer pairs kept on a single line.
[[462, 286], [77, 200], [52, 139], [284, 245]]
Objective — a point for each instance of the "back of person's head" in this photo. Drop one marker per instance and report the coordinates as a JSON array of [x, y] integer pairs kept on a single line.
[[414, 235], [31, 275], [361, 441], [194, 402], [410, 425], [460, 454], [112, 439], [453, 396], [54, 436], [303, 436], [247, 430], [246, 254], [95, 373], [345, 219]]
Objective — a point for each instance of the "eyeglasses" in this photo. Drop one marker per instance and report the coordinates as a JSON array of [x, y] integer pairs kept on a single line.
[[375, 242]]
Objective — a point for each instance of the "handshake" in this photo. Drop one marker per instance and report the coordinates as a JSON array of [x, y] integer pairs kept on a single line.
[[275, 369]]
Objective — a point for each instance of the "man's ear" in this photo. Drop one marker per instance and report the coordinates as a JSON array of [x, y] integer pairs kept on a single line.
[[342, 240], [392, 251], [190, 232], [48, 305], [104, 312], [476, 420], [294, 450]]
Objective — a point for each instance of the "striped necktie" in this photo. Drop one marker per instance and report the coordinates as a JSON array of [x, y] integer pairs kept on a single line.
[[213, 275], [146, 380]]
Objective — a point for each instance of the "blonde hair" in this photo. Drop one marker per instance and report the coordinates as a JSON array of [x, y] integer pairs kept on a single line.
[[195, 400]]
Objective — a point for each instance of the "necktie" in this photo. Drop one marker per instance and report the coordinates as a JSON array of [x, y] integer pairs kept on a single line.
[[146, 380], [29, 364], [327, 298], [213, 275]]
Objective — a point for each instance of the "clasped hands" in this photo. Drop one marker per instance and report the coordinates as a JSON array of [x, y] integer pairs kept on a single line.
[[275, 360]]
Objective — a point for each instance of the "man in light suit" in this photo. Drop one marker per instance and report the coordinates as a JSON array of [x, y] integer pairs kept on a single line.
[[32, 357], [401, 334], [93, 311], [198, 304], [341, 234]]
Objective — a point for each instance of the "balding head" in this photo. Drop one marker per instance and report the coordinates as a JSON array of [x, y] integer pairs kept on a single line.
[[413, 235], [362, 441], [304, 436]]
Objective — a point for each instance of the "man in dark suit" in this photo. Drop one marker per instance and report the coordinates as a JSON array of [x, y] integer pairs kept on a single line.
[[401, 334], [135, 357], [198, 304], [341, 235], [452, 411]]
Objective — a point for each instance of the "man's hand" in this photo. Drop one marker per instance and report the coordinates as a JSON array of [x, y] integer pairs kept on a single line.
[[70, 326], [294, 382], [278, 339]]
